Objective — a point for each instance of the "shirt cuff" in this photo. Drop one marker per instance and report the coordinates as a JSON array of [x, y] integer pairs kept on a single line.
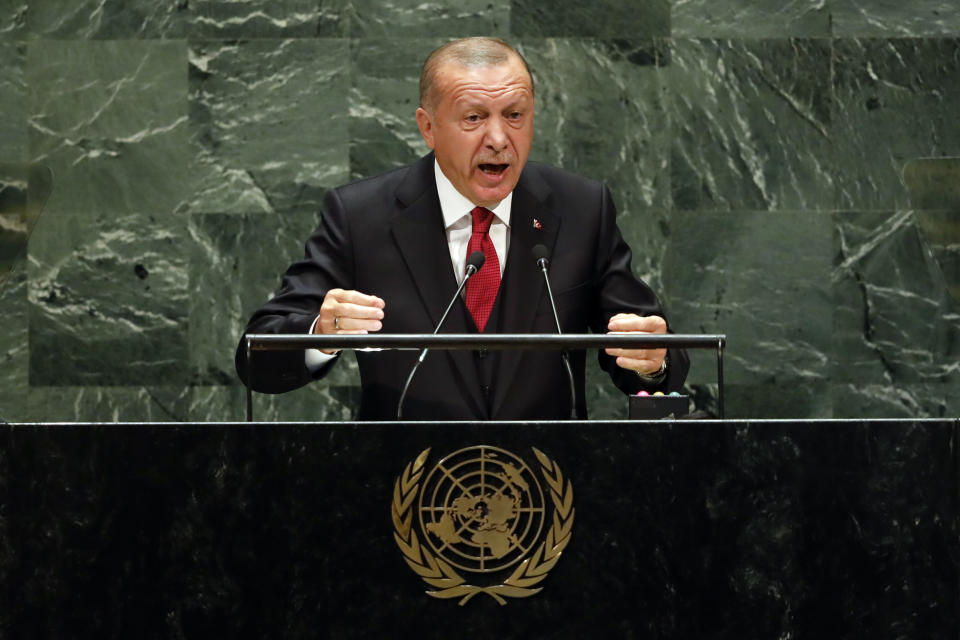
[[314, 358]]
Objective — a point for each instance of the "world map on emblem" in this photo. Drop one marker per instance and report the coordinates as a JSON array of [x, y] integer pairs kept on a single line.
[[481, 509]]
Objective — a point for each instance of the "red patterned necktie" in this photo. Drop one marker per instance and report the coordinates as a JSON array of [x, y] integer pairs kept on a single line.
[[482, 287]]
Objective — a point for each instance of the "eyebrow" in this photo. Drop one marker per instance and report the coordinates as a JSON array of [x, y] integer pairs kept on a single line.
[[469, 102]]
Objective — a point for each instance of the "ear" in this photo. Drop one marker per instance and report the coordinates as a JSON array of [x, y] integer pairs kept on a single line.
[[425, 124]]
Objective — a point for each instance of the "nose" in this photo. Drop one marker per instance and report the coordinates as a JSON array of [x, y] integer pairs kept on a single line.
[[496, 135]]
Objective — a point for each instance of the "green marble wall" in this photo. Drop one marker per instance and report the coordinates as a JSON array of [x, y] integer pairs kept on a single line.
[[755, 150]]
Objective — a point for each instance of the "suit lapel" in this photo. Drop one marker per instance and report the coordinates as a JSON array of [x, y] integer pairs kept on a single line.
[[531, 223], [419, 233]]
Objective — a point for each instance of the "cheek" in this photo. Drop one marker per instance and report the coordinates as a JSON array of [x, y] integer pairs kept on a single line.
[[467, 151], [521, 139], [527, 136]]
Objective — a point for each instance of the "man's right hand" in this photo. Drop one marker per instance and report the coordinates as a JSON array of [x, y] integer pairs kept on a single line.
[[349, 312]]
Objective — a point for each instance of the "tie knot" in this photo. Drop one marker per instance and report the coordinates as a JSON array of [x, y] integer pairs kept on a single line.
[[482, 218]]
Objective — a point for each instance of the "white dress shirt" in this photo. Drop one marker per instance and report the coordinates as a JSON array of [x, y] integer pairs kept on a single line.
[[458, 223]]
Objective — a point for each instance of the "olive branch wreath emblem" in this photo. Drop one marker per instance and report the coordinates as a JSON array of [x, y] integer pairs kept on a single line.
[[445, 580]]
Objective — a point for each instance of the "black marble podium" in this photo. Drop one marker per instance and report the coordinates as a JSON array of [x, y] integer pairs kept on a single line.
[[774, 529]]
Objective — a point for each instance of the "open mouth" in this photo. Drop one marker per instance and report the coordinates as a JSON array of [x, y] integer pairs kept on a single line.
[[493, 169]]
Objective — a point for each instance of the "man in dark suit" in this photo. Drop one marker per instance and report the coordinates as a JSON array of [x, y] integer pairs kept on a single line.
[[382, 258]]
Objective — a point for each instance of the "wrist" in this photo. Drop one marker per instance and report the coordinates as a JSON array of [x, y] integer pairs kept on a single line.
[[656, 376]]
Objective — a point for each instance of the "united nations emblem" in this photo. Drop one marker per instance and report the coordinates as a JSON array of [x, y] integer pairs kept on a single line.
[[481, 510]]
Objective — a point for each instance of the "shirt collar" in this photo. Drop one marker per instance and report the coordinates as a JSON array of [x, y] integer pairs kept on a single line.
[[455, 205]]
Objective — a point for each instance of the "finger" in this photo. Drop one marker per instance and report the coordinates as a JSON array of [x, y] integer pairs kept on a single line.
[[344, 324], [638, 354], [621, 322], [352, 310], [642, 365], [340, 305], [640, 360], [356, 298], [632, 322]]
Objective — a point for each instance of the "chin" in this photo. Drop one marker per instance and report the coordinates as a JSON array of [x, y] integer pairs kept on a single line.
[[488, 199], [492, 196]]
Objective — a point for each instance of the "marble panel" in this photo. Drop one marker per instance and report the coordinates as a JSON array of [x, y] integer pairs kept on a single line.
[[894, 320], [384, 96], [601, 113], [604, 400], [91, 403], [335, 398], [896, 100], [808, 399], [13, 171], [107, 19], [934, 185], [413, 18], [24, 189], [13, 235], [13, 19], [236, 262], [109, 118], [761, 279], [14, 355], [231, 19], [601, 18], [250, 252], [751, 124], [268, 121], [812, 400], [941, 234], [108, 301], [13, 93], [750, 19], [907, 400], [705, 397], [218, 403], [14, 232], [892, 18]]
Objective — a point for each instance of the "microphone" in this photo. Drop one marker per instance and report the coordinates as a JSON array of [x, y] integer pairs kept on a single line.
[[474, 262], [540, 254]]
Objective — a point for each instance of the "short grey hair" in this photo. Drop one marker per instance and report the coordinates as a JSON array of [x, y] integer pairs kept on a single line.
[[466, 52]]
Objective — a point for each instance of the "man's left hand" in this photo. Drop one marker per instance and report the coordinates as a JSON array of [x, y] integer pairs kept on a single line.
[[643, 361]]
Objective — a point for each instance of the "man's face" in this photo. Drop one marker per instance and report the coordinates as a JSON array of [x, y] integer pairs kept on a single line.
[[480, 127]]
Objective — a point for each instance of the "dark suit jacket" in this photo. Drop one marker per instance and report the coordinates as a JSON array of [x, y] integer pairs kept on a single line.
[[385, 236]]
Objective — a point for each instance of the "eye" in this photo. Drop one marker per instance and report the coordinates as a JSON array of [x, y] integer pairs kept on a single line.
[[473, 117]]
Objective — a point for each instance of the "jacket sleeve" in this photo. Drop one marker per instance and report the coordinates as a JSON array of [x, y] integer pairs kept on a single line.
[[619, 291], [327, 264]]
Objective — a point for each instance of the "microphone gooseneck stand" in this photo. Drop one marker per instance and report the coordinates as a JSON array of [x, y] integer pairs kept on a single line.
[[474, 261], [540, 253]]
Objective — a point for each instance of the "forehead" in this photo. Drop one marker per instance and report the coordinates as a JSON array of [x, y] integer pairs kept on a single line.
[[508, 81]]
